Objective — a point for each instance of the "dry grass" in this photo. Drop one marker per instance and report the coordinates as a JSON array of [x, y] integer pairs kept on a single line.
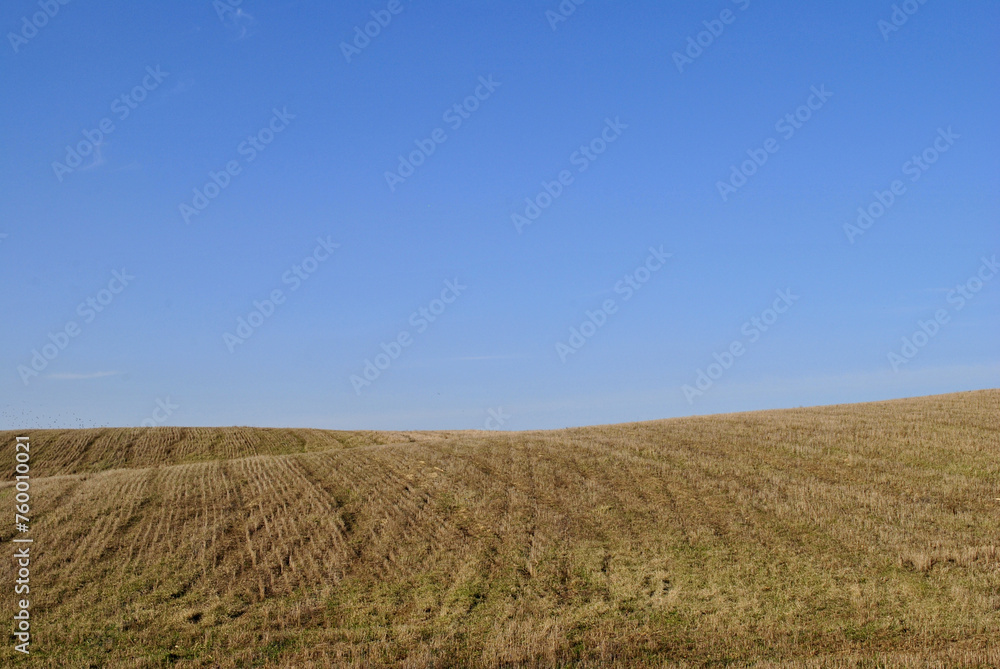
[[846, 536]]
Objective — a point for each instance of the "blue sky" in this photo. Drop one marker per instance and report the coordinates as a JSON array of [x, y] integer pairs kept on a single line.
[[618, 112]]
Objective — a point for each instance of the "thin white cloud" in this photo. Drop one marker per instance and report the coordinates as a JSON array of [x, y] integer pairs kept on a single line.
[[181, 86], [69, 376], [130, 167], [430, 362], [489, 357]]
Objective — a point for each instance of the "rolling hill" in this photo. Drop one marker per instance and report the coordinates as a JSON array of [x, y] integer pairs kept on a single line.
[[839, 536]]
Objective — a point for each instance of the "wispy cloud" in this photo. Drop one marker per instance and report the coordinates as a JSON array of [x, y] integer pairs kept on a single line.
[[432, 362], [488, 357], [69, 376], [180, 87], [129, 167]]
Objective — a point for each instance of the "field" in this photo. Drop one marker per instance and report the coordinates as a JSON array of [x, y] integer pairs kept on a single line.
[[844, 536]]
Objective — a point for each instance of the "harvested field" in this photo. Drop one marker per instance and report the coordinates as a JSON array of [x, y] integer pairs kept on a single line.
[[844, 536]]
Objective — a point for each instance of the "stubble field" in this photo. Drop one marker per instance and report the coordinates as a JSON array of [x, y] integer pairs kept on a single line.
[[845, 536]]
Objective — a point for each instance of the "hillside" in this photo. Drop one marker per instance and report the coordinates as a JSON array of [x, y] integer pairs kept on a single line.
[[826, 536]]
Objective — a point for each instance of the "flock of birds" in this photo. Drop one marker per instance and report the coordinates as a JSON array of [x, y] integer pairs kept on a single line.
[[13, 419]]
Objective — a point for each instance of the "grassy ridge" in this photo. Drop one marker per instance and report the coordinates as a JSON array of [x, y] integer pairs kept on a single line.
[[811, 537], [99, 449]]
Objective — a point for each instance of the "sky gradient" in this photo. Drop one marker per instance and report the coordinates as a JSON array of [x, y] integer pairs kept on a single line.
[[494, 215]]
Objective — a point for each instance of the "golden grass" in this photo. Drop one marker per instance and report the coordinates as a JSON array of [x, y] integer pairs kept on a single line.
[[845, 536]]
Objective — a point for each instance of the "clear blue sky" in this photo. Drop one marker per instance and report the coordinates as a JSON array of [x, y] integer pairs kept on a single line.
[[338, 118]]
